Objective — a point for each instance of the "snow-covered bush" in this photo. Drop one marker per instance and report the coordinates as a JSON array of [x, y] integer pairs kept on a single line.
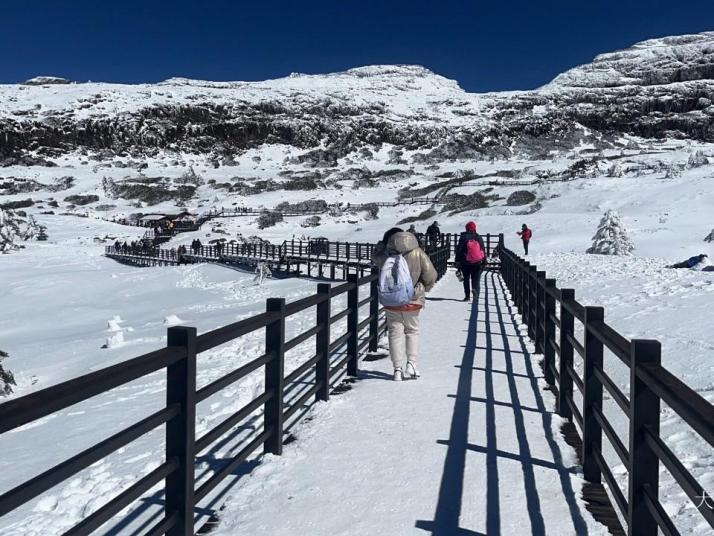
[[7, 380], [269, 219], [611, 236], [614, 171], [709, 237], [14, 229], [312, 221], [697, 159], [673, 172]]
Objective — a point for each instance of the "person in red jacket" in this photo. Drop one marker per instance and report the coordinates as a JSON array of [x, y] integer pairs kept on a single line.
[[525, 234]]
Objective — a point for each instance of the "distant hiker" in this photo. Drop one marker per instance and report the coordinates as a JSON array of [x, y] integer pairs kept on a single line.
[[698, 262], [181, 251], [471, 261], [117, 246], [412, 229], [525, 234], [433, 232], [406, 275]]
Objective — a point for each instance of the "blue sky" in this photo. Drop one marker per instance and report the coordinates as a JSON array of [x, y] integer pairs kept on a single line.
[[485, 45]]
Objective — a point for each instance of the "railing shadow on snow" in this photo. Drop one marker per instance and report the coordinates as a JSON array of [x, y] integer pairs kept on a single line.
[[493, 313]]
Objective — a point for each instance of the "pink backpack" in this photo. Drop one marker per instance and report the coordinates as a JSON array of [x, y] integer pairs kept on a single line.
[[474, 252]]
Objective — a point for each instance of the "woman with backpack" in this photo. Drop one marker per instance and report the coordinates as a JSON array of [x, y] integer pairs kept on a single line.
[[471, 261], [406, 275]]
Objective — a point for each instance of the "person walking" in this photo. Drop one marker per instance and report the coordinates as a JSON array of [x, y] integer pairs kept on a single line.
[[433, 232], [525, 233], [406, 275], [471, 261]]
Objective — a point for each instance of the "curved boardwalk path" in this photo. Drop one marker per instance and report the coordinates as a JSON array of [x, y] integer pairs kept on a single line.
[[471, 448]]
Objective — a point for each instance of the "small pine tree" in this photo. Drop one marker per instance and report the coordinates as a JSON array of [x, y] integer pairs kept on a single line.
[[611, 238], [697, 159], [42, 234], [7, 380]]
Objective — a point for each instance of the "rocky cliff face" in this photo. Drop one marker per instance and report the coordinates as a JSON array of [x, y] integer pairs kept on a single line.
[[656, 89]]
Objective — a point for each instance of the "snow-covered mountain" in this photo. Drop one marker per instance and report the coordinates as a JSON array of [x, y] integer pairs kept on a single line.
[[658, 88]]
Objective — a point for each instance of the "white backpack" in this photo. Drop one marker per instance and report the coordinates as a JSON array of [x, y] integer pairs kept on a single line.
[[396, 287]]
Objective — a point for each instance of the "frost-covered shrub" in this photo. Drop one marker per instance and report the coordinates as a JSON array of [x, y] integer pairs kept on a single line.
[[312, 221], [673, 172], [520, 197], [697, 159], [190, 177], [7, 380], [611, 237], [81, 199], [269, 219], [614, 171], [709, 237], [12, 205]]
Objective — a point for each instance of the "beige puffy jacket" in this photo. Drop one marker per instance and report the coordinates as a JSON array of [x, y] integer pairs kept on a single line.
[[420, 267]]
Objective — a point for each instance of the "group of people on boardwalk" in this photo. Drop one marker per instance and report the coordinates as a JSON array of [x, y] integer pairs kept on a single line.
[[196, 246], [406, 274], [135, 247], [428, 240]]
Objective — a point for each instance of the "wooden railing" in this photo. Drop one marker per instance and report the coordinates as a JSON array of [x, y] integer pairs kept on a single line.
[[281, 399], [651, 384], [313, 255]]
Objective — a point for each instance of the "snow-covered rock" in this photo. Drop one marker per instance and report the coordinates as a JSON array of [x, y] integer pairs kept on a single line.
[[45, 80]]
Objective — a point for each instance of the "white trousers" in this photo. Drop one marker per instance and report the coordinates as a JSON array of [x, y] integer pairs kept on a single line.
[[403, 336]]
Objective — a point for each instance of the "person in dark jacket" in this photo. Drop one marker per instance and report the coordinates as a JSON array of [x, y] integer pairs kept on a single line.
[[697, 262], [432, 233], [525, 234], [470, 269]]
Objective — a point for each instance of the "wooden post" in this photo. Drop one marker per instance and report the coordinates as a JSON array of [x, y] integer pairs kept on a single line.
[[274, 376], [352, 323], [592, 396], [548, 332], [644, 464], [374, 311], [540, 306], [322, 344], [532, 302], [181, 431], [525, 274], [567, 327]]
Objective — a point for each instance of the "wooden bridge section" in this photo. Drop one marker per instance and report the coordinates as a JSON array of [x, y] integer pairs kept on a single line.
[[313, 258]]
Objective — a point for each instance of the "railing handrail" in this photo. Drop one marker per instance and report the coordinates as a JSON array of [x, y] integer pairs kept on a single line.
[[650, 383]]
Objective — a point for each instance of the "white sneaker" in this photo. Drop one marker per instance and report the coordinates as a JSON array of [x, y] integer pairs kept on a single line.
[[398, 375], [412, 370]]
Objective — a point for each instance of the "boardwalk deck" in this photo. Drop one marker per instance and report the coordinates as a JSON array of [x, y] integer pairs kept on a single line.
[[471, 448]]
